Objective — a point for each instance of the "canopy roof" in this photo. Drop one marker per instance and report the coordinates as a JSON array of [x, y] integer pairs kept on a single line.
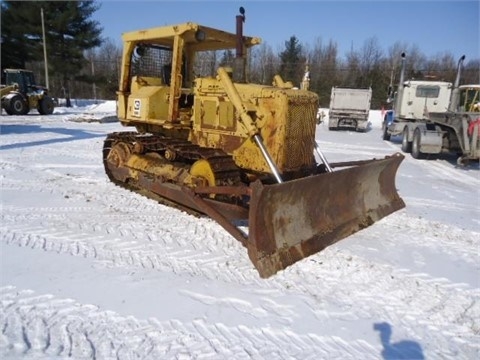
[[196, 37]]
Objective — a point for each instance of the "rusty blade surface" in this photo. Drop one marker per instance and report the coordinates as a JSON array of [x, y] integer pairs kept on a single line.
[[295, 219]]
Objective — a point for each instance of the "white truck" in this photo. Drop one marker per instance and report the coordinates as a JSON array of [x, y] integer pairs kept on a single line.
[[349, 108], [434, 117]]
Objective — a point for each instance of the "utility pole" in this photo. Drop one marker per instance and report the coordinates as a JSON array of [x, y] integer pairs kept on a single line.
[[93, 77], [45, 51]]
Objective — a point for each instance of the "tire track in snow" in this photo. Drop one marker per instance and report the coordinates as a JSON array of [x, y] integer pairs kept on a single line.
[[453, 241], [334, 269], [136, 234], [441, 204], [123, 246], [59, 327], [364, 151], [159, 235], [453, 174], [432, 309], [205, 234]]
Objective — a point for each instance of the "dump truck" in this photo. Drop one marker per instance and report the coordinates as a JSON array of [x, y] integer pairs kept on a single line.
[[435, 117], [349, 108], [242, 154], [20, 94]]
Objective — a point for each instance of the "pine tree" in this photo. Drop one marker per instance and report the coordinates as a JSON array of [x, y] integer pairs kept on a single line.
[[69, 32], [291, 61], [17, 45]]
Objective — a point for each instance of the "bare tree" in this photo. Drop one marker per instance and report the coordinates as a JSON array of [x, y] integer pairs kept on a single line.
[[107, 69], [264, 64], [352, 69], [371, 57], [471, 72], [205, 63], [323, 62]]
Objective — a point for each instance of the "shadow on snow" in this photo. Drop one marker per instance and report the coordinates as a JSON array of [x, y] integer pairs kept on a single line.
[[405, 349], [70, 135], [449, 157]]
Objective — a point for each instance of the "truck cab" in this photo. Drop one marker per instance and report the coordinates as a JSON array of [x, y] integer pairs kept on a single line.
[[421, 97], [435, 117]]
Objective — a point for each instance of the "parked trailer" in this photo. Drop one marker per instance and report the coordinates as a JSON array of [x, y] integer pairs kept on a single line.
[[435, 117], [349, 108]]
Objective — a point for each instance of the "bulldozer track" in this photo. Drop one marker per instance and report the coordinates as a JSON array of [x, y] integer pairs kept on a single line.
[[226, 172], [182, 151]]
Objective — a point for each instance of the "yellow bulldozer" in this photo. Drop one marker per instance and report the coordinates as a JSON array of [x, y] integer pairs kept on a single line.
[[243, 154], [20, 94]]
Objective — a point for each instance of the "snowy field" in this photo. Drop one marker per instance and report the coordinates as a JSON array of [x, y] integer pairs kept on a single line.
[[92, 271]]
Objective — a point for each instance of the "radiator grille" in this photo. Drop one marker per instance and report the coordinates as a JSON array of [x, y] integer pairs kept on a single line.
[[300, 132]]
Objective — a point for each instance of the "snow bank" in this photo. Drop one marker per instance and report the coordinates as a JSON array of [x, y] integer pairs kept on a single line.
[[89, 111]]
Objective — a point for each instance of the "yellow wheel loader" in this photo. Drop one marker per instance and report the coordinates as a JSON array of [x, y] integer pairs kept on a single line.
[[240, 153], [21, 94]]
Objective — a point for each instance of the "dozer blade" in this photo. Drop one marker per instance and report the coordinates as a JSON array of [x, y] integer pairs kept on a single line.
[[295, 219]]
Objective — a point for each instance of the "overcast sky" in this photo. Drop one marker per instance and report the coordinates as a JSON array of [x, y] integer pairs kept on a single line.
[[435, 27]]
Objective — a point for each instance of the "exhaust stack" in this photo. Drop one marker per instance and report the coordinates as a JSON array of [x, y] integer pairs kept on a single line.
[[455, 93], [239, 64], [401, 85]]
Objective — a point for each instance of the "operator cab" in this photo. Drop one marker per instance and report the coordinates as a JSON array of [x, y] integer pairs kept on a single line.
[[159, 69], [23, 78]]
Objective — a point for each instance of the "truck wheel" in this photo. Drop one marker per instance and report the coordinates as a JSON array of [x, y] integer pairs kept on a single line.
[[417, 138], [45, 106], [406, 145], [386, 135], [17, 105]]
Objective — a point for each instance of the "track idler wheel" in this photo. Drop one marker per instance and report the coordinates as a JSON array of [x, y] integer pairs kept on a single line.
[[119, 154], [203, 170]]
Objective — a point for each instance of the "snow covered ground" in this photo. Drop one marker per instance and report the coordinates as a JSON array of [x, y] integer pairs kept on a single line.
[[92, 271]]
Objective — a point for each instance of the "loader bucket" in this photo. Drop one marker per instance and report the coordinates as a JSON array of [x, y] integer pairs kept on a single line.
[[298, 218]]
